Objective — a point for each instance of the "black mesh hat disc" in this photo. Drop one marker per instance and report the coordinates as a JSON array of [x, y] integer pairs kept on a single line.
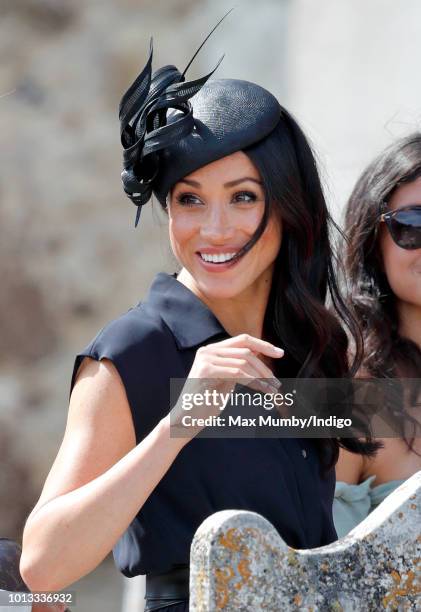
[[228, 115]]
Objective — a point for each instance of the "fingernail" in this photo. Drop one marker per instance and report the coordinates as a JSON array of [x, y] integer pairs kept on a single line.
[[267, 385], [279, 350]]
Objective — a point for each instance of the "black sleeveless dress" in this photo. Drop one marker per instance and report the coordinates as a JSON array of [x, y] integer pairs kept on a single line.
[[278, 478]]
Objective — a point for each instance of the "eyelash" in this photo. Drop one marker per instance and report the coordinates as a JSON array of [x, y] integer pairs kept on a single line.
[[182, 198]]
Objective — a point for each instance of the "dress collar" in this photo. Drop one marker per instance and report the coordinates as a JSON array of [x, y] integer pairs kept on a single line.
[[188, 318]]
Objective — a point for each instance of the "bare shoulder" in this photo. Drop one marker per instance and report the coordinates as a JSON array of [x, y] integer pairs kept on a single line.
[[395, 461], [349, 467], [99, 430]]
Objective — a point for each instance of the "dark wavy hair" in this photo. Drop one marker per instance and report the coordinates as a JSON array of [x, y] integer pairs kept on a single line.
[[297, 317], [386, 353]]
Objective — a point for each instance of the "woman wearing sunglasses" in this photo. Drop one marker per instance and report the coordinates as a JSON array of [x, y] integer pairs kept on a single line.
[[383, 263]]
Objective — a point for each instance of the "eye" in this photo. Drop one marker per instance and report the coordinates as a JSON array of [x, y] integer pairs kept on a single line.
[[245, 196], [188, 199]]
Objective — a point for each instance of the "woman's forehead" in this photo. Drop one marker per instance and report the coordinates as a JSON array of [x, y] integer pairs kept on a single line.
[[229, 168], [406, 193]]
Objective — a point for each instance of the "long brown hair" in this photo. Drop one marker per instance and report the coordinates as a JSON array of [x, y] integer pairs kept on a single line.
[[386, 353]]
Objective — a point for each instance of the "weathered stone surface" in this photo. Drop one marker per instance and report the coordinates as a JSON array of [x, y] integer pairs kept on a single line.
[[239, 562]]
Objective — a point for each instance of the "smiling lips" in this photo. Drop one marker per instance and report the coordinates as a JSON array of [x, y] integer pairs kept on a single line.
[[215, 258]]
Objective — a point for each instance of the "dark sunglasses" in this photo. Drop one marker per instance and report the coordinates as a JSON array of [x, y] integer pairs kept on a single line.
[[404, 225]]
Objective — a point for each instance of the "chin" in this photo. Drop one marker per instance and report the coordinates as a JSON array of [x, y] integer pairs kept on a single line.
[[220, 289]]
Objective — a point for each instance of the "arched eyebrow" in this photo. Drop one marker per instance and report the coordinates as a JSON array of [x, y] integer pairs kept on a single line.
[[228, 184]]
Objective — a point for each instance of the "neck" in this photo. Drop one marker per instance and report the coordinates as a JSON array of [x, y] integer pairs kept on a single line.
[[410, 322], [243, 313]]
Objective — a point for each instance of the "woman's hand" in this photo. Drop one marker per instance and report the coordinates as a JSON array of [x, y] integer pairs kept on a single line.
[[219, 367]]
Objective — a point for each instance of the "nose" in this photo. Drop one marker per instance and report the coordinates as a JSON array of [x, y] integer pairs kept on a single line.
[[217, 226]]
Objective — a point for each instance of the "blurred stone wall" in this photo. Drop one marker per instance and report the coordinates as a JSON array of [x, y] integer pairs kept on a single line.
[[70, 258]]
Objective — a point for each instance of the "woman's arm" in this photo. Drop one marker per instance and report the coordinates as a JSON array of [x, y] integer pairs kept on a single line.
[[99, 481]]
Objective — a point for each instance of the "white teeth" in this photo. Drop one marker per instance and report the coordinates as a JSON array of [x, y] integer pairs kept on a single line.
[[217, 258]]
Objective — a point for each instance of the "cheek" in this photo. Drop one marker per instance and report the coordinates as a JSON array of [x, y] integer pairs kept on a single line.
[[271, 240], [396, 264], [181, 229]]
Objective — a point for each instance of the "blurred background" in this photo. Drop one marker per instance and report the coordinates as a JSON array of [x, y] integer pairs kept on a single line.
[[70, 258]]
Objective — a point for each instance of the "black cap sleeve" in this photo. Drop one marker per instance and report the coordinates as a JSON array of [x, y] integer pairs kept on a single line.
[[112, 342], [135, 343]]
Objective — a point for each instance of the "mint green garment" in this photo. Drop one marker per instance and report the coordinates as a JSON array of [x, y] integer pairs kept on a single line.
[[352, 503]]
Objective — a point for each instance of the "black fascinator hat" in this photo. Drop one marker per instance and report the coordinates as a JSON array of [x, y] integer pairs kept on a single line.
[[170, 127]]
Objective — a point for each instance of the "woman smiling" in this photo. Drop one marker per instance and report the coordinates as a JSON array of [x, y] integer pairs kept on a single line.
[[249, 226]]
